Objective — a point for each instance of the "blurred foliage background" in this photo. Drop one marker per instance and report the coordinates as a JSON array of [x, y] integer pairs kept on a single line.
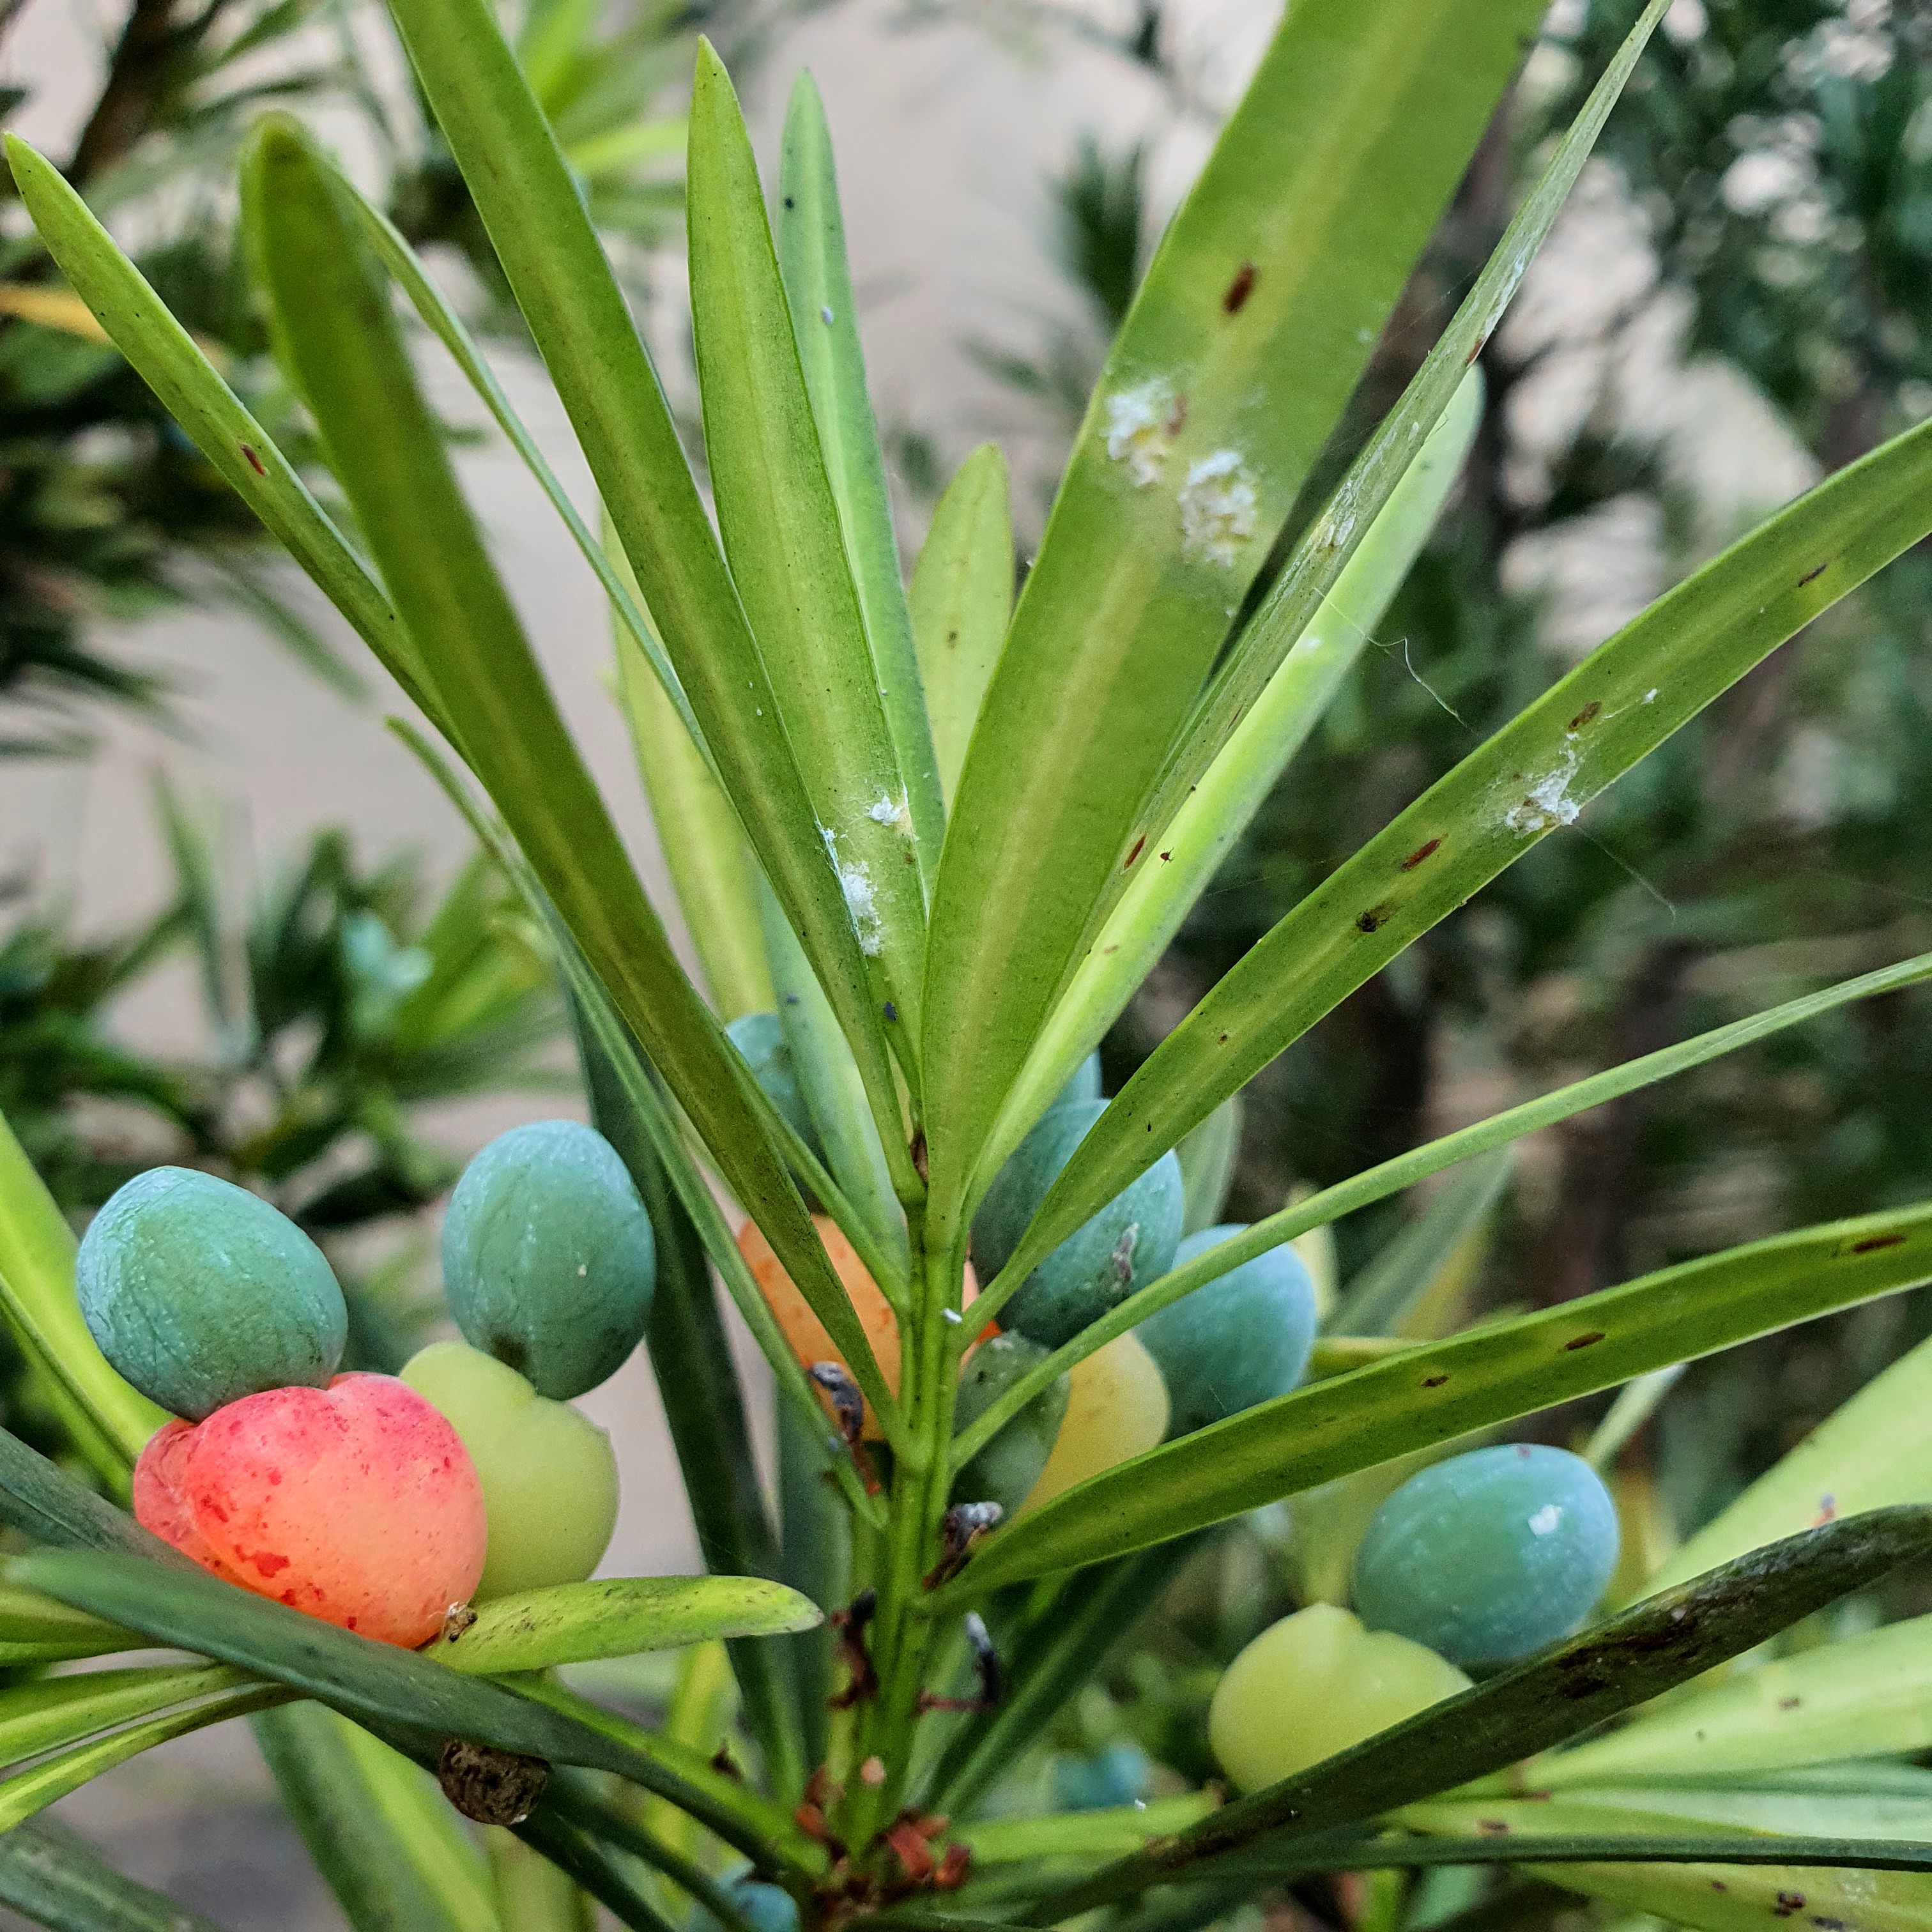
[[1734, 305]]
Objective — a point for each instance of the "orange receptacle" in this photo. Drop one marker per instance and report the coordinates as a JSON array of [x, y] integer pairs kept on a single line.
[[804, 1330]]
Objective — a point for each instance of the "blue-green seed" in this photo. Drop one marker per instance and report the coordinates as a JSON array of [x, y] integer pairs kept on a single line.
[[1489, 1556], [761, 1038], [1242, 1339], [1124, 1246], [548, 1259], [200, 1293]]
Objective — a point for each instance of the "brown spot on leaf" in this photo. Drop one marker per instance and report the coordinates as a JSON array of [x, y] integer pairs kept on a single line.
[[1374, 918], [1239, 290], [1872, 1245], [1140, 845], [1421, 853], [1434, 1381], [1812, 575], [1582, 1341], [255, 462], [1583, 717]]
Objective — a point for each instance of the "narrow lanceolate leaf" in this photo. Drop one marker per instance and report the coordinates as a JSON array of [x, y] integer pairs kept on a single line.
[[47, 1505], [1866, 1696], [51, 1713], [1314, 1212], [530, 204], [167, 360], [1447, 1388], [1875, 1450], [34, 1629], [1164, 887], [781, 534], [37, 1290], [825, 318], [335, 330], [618, 1616], [1533, 777], [1655, 1645], [835, 1098], [394, 1690], [383, 1837], [400, 261], [1295, 597], [962, 600], [1289, 252], [1376, 1301], [712, 873], [51, 1779], [55, 1877]]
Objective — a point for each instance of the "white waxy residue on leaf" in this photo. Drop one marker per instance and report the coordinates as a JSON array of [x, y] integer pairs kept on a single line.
[[1218, 506], [1142, 425]]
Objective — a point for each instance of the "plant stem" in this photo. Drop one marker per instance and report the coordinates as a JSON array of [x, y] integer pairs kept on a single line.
[[901, 1630]]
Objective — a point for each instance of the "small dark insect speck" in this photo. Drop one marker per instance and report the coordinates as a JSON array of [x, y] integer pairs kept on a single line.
[[1812, 575], [1239, 290], [1789, 1703], [790, 202], [1718, 1885], [1583, 717], [255, 462], [1434, 1381], [1792, 1901], [1421, 853], [1223, 1040], [1167, 855], [892, 1013], [1374, 918], [1581, 1342], [1876, 1242]]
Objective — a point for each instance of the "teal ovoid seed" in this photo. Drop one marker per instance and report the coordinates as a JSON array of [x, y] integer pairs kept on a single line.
[[200, 1293], [1124, 1246], [760, 1039], [1489, 1556], [1117, 1775], [548, 1259], [1244, 1338], [1006, 1470], [1084, 1082]]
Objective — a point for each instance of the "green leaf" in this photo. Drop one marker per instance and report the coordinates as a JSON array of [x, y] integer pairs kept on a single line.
[[395, 1689], [782, 538], [400, 261], [34, 1629], [530, 204], [1864, 1695], [383, 1837], [834, 1096], [825, 320], [37, 1290], [51, 1712], [1443, 1389], [55, 1877], [1376, 1301], [1289, 252], [1655, 1645], [167, 360], [1534, 776], [714, 878], [1211, 820], [1294, 599], [533, 1895], [815, 1555], [28, 1792], [1080, 1834], [1875, 1450], [43, 1502], [961, 601], [337, 332], [574, 1851], [1315, 1211], [618, 1616]]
